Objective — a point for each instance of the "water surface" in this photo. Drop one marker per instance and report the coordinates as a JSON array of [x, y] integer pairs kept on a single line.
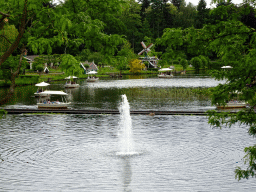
[[78, 153]]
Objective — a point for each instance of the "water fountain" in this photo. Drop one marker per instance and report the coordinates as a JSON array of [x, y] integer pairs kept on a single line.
[[126, 143]]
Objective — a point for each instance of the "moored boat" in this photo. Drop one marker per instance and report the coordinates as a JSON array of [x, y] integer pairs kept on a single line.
[[71, 82], [233, 105], [92, 78], [40, 91], [45, 102], [165, 73]]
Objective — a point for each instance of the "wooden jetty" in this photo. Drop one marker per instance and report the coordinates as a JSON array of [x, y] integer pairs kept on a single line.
[[73, 111]]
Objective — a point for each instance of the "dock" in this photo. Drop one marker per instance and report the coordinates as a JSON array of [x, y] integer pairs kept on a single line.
[[113, 112]]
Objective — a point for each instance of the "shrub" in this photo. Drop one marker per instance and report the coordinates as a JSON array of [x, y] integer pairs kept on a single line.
[[197, 63], [184, 64], [204, 61], [175, 62]]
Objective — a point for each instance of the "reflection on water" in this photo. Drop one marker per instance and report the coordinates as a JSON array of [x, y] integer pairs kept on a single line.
[[126, 173], [78, 153], [143, 94]]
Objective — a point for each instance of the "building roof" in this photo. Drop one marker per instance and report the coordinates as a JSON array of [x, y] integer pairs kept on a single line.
[[31, 57], [92, 66]]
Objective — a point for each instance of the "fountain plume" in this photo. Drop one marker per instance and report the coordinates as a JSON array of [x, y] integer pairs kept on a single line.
[[125, 134]]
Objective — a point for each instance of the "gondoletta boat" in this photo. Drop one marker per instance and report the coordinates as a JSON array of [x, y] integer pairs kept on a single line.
[[50, 100], [71, 82]]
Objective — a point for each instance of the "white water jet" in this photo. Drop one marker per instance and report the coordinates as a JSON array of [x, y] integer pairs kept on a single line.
[[126, 143]]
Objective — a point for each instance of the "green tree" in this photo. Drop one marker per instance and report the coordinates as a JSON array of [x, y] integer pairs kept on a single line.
[[202, 14], [235, 44], [70, 65], [204, 61], [184, 64], [44, 28], [196, 63]]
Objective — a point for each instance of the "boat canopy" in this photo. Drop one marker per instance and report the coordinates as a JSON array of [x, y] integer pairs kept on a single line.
[[54, 93], [92, 72], [71, 77], [165, 69], [42, 84], [226, 67]]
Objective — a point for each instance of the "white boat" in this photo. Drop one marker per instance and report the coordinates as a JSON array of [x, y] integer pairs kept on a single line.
[[165, 76], [232, 105], [71, 83], [165, 73], [235, 102], [92, 78], [40, 90], [44, 102]]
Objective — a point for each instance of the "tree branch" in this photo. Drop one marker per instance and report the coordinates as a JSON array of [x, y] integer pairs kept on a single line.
[[14, 46], [4, 14], [5, 38]]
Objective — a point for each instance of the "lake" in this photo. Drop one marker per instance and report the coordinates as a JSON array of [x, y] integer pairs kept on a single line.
[[80, 152]]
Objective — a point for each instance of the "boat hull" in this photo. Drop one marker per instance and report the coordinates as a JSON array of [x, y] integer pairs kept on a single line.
[[165, 76], [53, 106], [71, 85], [92, 79], [232, 106]]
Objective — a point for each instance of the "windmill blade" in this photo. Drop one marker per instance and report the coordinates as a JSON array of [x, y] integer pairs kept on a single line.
[[141, 52], [151, 44], [143, 44], [148, 50]]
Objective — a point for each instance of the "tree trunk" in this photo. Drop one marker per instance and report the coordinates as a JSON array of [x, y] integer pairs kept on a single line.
[[12, 86]]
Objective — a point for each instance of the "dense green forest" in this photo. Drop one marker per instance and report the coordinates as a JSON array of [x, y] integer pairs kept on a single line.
[[111, 31]]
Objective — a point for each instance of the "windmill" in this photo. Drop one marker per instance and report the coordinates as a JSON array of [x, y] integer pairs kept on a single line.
[[145, 50]]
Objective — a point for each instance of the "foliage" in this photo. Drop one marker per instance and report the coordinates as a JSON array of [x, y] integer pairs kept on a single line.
[[10, 65], [136, 66], [204, 61], [97, 57], [124, 57], [86, 66], [196, 63], [7, 36], [2, 113], [234, 43], [70, 65], [202, 14], [184, 64]]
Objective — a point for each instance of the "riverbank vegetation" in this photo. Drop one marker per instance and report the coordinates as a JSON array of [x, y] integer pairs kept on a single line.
[[110, 33]]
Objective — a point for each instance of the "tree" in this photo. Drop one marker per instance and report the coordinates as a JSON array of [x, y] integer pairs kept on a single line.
[[136, 66], [202, 14], [204, 61], [70, 65], [184, 64], [235, 44], [43, 28], [196, 63], [178, 3]]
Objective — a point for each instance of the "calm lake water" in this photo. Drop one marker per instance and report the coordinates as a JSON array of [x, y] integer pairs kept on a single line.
[[143, 94], [79, 152]]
